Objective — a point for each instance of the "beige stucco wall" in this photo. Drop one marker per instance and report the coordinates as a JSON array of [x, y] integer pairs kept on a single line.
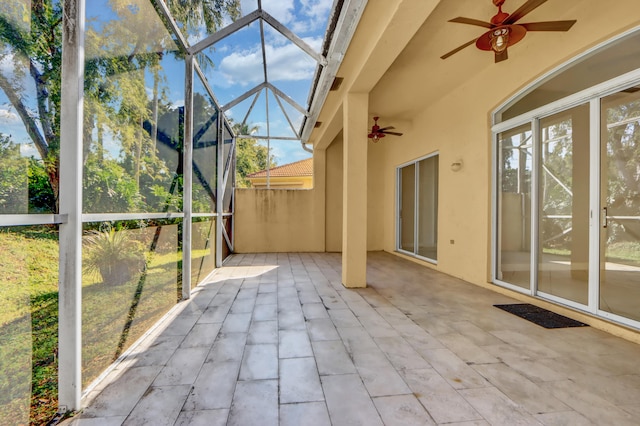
[[334, 195], [282, 220], [376, 179], [464, 196]]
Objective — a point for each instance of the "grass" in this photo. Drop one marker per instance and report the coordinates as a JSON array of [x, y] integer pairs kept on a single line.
[[28, 324], [623, 252], [113, 316]]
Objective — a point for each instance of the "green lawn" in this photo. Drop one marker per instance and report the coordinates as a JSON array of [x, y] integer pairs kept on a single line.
[[113, 315], [28, 324]]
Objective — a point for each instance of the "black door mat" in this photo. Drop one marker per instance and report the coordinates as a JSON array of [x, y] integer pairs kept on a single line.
[[540, 316]]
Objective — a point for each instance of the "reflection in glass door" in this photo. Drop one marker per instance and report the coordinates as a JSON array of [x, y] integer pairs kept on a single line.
[[407, 207], [563, 213], [513, 262], [620, 203]]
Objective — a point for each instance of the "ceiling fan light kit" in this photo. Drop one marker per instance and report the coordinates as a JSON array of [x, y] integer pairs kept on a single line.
[[503, 30]]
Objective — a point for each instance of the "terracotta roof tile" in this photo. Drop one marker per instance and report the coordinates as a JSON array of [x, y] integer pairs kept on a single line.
[[299, 168]]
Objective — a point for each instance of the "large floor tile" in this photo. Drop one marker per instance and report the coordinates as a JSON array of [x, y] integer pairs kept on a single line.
[[348, 401], [160, 405], [299, 381], [402, 410], [294, 344], [307, 414], [332, 357], [255, 403], [259, 362], [203, 418]]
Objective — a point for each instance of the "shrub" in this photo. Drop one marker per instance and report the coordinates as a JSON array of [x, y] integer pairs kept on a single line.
[[113, 255]]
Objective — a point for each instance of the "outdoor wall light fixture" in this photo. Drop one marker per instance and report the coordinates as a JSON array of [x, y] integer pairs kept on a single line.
[[456, 165]]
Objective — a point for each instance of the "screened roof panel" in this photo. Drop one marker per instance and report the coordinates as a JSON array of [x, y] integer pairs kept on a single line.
[[234, 65], [272, 49]]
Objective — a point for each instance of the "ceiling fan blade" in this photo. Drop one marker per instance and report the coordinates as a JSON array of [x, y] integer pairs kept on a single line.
[[470, 21], [392, 133], [522, 11], [502, 56], [549, 26], [386, 128], [456, 50]]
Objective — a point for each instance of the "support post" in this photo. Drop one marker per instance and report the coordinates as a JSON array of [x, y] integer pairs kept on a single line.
[[70, 275], [219, 188], [354, 192], [187, 178]]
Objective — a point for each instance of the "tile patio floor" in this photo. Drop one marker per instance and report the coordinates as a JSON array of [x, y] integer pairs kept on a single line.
[[276, 339]]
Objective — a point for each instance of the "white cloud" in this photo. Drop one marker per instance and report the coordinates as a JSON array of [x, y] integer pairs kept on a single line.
[[285, 63], [282, 10], [312, 16], [248, 6], [316, 8], [8, 117], [29, 150]]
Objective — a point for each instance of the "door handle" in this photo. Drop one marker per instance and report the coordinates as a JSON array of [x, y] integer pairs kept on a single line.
[[604, 217]]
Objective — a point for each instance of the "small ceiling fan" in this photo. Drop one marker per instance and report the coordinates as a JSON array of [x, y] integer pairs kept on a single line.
[[378, 132], [503, 30]]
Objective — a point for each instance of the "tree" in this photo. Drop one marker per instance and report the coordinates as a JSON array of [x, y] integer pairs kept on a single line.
[[250, 156], [13, 178], [35, 51], [622, 161], [36, 54]]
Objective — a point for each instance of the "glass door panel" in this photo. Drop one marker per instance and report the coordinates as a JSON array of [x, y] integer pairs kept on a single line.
[[407, 207], [514, 206], [428, 208], [620, 203], [563, 214]]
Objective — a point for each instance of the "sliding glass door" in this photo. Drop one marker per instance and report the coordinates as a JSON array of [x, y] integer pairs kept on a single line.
[[619, 290], [567, 210], [418, 208], [515, 155], [407, 207], [563, 214]]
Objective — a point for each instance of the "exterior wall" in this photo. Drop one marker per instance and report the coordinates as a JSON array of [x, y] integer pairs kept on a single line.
[[464, 196], [376, 178], [277, 220], [282, 220], [334, 196]]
